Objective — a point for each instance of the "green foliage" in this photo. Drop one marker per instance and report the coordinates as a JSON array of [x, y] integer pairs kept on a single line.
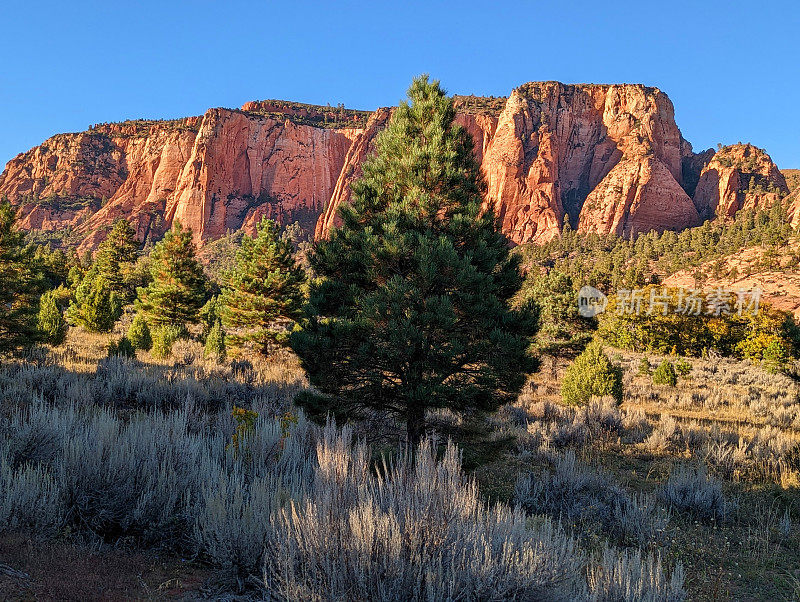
[[562, 330], [121, 348], [210, 314], [775, 357], [644, 367], [139, 333], [20, 286], [115, 258], [164, 338], [96, 307], [215, 342], [54, 264], [665, 374], [671, 332], [179, 287], [591, 374], [263, 295], [610, 262], [51, 321], [411, 310], [683, 367], [772, 337]]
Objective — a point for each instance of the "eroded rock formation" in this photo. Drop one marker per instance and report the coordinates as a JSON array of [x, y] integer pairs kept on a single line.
[[610, 157], [738, 177]]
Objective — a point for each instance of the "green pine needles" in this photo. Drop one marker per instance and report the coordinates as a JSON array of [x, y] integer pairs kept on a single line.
[[592, 374], [179, 287], [263, 295], [411, 308], [20, 286], [51, 321]]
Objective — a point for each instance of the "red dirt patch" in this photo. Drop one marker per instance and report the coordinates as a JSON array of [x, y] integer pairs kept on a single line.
[[62, 571]]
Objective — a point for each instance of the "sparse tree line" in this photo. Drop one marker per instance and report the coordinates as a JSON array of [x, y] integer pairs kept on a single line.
[[610, 262], [167, 289]]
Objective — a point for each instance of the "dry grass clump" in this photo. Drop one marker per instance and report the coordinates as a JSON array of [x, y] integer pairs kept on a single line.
[[692, 490], [727, 389], [418, 529], [124, 383], [583, 497]]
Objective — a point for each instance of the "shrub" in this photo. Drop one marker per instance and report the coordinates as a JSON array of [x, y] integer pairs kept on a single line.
[[96, 306], [215, 342], [644, 367], [578, 494], [51, 322], [665, 374], [629, 577], [121, 348], [683, 367], [776, 357], [304, 505], [694, 491], [30, 499], [139, 334], [592, 374], [366, 536], [164, 338]]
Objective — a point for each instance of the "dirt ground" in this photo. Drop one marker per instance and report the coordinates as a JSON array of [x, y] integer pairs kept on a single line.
[[32, 570]]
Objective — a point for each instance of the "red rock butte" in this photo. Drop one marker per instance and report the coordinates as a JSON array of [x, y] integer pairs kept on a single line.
[[610, 157]]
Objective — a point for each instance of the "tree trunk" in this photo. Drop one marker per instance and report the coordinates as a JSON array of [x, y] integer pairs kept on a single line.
[[415, 423]]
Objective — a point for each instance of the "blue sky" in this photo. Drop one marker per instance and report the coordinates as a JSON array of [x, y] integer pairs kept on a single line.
[[731, 68]]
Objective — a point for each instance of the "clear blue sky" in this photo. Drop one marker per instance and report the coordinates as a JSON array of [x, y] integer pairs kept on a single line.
[[731, 68]]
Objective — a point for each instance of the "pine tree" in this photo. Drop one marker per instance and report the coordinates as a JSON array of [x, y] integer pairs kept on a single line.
[[51, 322], [164, 338], [20, 286], [121, 348], [591, 374], [179, 287], [139, 333], [665, 374], [96, 307], [263, 293], [116, 256], [215, 342], [411, 311]]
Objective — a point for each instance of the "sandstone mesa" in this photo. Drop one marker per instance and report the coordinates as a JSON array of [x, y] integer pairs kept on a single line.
[[609, 158]]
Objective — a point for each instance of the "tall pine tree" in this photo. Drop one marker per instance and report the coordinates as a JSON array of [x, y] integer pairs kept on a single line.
[[263, 298], [20, 286], [116, 256], [411, 310], [179, 287]]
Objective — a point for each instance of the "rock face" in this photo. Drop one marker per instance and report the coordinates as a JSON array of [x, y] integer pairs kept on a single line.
[[557, 146], [738, 177], [362, 145], [610, 157]]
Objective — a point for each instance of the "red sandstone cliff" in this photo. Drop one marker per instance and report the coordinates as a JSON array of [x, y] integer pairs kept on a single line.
[[609, 156], [738, 177]]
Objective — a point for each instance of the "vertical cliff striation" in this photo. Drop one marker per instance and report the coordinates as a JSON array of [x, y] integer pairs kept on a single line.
[[608, 158]]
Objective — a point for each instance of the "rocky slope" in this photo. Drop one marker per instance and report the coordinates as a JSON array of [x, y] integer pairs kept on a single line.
[[738, 177], [610, 157]]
